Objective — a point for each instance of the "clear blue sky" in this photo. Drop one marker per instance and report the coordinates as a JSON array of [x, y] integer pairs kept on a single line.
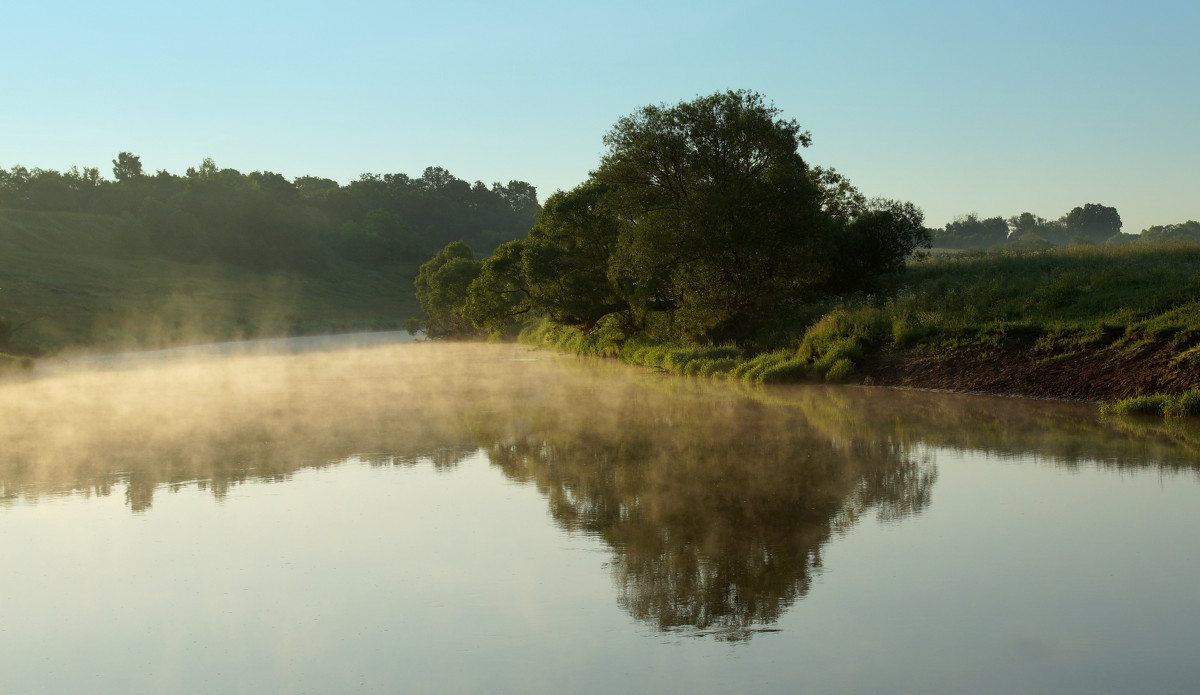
[[993, 107]]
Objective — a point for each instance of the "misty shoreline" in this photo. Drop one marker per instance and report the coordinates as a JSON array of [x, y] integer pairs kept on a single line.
[[259, 346]]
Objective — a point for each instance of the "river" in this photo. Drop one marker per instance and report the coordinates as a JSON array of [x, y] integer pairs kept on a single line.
[[381, 516]]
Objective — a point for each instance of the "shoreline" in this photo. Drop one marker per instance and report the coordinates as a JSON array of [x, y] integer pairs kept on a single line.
[[1099, 375]]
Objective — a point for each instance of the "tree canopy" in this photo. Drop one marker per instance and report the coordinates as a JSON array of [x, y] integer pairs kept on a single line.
[[263, 221], [1093, 222], [701, 222]]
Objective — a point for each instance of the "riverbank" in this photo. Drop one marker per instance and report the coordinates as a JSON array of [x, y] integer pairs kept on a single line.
[[1096, 324], [1018, 368]]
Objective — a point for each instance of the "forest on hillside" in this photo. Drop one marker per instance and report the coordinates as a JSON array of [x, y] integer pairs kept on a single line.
[[265, 222]]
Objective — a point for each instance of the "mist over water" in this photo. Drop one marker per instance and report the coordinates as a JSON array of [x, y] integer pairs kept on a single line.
[[716, 507]]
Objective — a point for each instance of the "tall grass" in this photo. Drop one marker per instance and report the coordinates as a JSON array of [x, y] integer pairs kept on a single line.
[[1186, 404]]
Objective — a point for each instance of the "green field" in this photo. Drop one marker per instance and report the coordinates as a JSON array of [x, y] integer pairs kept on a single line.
[[76, 280]]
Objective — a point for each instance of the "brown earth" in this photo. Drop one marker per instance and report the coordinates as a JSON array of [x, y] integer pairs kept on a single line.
[[1017, 368]]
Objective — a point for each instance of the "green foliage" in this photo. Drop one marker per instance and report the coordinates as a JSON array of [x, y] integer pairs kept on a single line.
[[843, 332], [127, 167], [839, 199], [1172, 233], [1093, 222], [1186, 404], [702, 225], [442, 286], [782, 371], [840, 370], [720, 221], [605, 341], [85, 280], [565, 259], [497, 296], [266, 223], [878, 241], [970, 232], [1089, 224]]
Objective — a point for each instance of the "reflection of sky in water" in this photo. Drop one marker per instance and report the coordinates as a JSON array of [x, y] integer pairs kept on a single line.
[[1012, 573]]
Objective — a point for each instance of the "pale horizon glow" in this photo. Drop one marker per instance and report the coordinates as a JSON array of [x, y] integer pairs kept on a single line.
[[996, 109]]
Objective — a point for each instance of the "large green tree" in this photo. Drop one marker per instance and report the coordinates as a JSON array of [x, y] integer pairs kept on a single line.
[[720, 221], [566, 258], [878, 240], [1094, 222]]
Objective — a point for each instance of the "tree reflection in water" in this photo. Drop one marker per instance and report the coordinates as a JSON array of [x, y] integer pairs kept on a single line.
[[716, 499], [716, 508]]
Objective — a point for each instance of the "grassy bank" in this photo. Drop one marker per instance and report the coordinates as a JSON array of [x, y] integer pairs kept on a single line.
[[74, 280], [1087, 322]]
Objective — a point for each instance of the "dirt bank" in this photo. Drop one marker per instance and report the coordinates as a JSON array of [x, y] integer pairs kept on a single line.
[[1018, 368]]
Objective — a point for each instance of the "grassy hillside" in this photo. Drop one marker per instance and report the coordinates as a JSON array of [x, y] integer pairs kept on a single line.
[[1136, 289], [1090, 322], [76, 279]]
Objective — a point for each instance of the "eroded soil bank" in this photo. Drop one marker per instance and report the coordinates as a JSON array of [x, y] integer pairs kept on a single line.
[[1018, 368]]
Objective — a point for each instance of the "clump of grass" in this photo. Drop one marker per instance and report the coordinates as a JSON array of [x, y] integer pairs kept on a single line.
[[1136, 405], [603, 341], [840, 370], [753, 368], [783, 371], [906, 331], [1186, 404]]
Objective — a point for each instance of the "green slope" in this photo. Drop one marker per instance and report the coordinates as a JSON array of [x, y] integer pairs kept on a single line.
[[83, 280]]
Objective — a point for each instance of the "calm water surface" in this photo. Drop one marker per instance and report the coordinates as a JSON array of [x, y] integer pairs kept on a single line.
[[446, 518]]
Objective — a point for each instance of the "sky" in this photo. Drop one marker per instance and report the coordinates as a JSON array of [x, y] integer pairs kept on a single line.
[[995, 108]]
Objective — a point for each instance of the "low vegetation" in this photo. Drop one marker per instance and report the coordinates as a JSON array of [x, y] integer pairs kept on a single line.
[[1185, 404], [1090, 322]]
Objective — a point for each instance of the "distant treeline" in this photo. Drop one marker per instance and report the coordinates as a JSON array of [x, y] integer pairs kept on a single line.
[[263, 221], [1089, 224]]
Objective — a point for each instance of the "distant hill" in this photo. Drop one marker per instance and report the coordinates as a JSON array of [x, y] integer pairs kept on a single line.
[[78, 279], [157, 259]]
